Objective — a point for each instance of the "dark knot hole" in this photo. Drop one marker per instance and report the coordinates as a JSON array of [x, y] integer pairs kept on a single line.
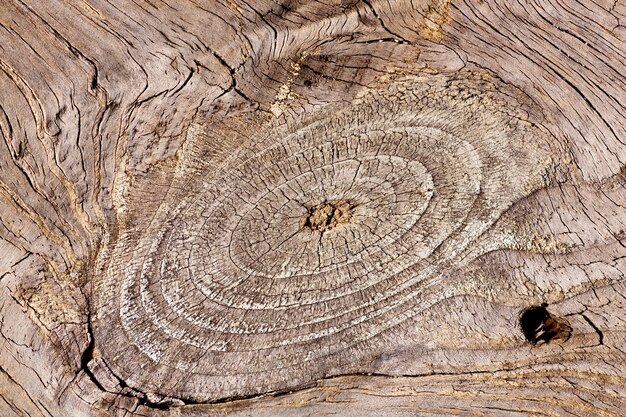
[[540, 326]]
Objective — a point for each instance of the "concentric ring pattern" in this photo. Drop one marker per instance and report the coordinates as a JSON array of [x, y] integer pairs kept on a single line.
[[229, 291]]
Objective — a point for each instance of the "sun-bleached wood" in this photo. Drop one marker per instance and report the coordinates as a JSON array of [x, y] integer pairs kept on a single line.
[[300, 208]]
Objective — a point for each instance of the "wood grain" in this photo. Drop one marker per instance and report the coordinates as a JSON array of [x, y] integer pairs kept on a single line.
[[303, 208]]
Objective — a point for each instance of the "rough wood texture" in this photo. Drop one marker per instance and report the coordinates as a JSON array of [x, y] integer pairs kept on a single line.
[[299, 208]]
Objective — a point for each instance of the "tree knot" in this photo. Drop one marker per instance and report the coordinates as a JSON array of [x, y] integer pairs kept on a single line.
[[328, 215]]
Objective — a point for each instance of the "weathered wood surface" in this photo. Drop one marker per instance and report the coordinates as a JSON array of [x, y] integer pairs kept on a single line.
[[299, 208]]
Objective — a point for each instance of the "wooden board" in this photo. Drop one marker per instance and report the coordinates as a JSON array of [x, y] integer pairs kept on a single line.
[[297, 208]]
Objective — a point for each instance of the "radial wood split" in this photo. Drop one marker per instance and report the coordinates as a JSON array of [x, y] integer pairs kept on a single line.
[[357, 208]]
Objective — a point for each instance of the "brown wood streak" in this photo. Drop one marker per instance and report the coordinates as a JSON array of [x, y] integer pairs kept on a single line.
[[114, 114]]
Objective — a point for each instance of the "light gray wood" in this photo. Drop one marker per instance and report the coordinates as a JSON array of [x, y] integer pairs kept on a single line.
[[301, 208]]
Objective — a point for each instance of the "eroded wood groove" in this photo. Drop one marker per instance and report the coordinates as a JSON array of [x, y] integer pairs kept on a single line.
[[300, 208]]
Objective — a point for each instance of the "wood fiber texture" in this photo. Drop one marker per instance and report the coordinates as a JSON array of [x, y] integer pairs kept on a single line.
[[291, 208]]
